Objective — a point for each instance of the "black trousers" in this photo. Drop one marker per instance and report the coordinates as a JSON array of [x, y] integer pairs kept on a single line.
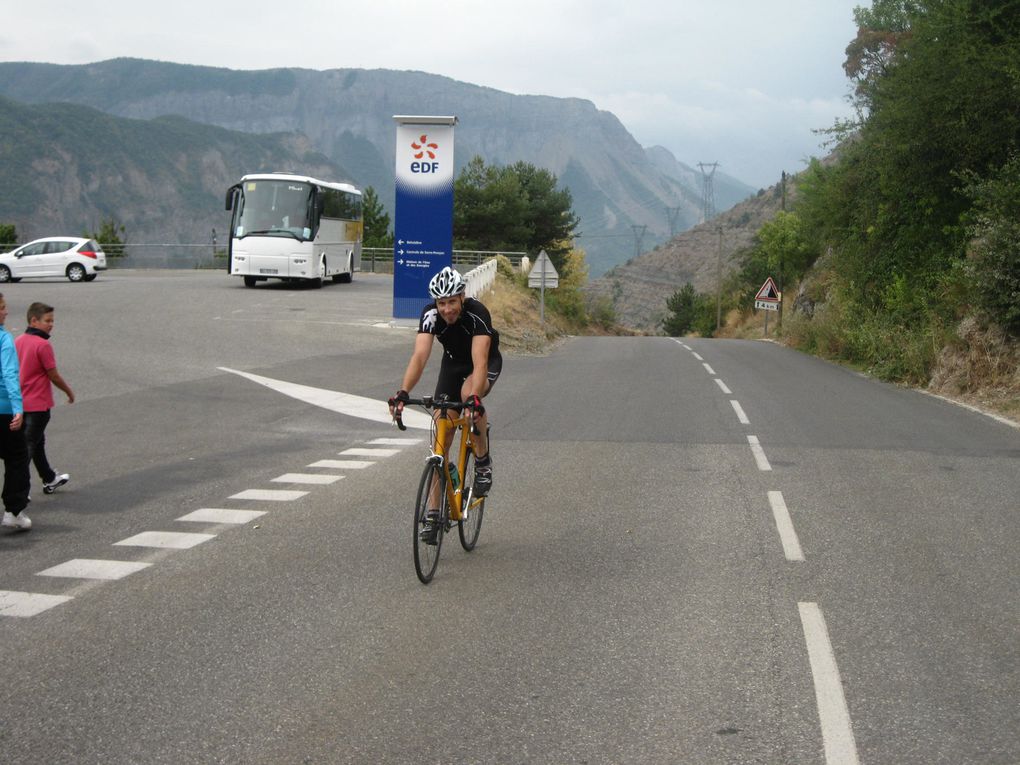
[[14, 452], [35, 438]]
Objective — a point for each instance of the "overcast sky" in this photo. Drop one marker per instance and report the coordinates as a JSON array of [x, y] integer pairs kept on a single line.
[[739, 82]]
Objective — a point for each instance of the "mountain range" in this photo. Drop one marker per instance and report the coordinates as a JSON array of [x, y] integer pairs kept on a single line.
[[155, 145]]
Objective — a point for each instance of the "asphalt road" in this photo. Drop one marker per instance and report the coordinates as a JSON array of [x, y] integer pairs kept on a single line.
[[824, 571]]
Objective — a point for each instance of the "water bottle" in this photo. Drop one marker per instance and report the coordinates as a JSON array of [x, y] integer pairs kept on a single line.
[[454, 476]]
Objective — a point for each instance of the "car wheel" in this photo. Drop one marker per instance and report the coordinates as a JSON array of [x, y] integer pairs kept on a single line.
[[91, 277], [15, 279], [76, 272], [5, 274]]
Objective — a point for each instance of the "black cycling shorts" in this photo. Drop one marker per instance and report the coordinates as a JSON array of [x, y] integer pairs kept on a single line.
[[452, 375]]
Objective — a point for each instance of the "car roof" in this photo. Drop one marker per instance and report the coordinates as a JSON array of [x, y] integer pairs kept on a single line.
[[58, 239]]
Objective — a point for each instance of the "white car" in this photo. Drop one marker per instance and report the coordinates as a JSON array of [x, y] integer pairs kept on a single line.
[[78, 259]]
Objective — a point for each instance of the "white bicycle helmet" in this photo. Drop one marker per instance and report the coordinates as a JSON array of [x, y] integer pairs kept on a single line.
[[447, 283]]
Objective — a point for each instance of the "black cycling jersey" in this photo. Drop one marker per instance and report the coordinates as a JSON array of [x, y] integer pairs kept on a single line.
[[456, 338]]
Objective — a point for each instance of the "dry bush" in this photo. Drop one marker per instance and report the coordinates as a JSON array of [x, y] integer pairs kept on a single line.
[[983, 366]]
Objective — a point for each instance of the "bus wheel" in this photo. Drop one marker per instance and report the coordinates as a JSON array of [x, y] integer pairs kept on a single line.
[[249, 281]]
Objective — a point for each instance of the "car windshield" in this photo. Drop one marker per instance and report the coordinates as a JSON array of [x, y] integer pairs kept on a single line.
[[274, 208]]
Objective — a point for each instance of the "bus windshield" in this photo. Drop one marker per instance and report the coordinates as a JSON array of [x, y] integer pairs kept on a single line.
[[274, 208]]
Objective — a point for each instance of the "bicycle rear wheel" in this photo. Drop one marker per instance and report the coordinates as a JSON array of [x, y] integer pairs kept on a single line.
[[426, 551], [472, 508]]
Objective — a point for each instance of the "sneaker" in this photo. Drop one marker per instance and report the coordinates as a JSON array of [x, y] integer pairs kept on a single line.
[[483, 479], [19, 521], [430, 530], [56, 483]]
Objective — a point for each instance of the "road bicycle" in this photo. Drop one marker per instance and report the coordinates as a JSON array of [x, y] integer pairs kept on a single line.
[[446, 490]]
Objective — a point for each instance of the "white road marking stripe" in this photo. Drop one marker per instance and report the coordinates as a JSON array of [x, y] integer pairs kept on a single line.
[[697, 356], [759, 453], [222, 515], [269, 495], [28, 603], [87, 568], [361, 452], [342, 464], [174, 540], [395, 441], [787, 534], [708, 369], [837, 732], [722, 385], [975, 409], [740, 412], [335, 401], [309, 478]]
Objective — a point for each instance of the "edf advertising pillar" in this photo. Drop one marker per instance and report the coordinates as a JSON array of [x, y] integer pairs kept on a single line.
[[423, 225]]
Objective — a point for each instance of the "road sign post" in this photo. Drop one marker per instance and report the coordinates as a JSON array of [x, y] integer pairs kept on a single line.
[[543, 274], [768, 299]]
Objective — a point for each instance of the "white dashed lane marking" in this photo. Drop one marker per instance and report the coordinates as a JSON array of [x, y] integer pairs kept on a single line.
[[759, 453], [740, 412], [28, 603], [708, 369], [318, 479], [362, 452], [89, 568], [697, 356], [837, 732], [23, 604], [342, 464], [222, 515], [269, 495], [787, 534], [722, 385], [174, 540]]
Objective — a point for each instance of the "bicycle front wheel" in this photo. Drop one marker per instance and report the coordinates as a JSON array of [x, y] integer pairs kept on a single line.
[[472, 508], [428, 531]]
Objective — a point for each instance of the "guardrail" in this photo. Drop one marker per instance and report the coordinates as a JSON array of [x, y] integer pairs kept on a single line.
[[204, 256], [380, 259], [481, 278]]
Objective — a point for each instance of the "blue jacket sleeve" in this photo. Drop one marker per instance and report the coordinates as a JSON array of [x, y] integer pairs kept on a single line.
[[9, 369]]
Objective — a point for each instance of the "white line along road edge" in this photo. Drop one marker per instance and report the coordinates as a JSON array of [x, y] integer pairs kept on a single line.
[[335, 401]]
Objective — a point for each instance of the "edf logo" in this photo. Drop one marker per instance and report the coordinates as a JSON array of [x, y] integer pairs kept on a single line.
[[421, 148]]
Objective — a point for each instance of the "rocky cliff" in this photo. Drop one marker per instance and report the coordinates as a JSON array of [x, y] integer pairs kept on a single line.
[[64, 168], [346, 115], [639, 288]]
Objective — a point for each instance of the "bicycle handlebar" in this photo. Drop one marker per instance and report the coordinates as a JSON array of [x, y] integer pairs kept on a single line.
[[428, 402]]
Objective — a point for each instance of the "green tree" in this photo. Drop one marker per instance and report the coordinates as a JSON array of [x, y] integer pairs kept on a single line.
[[8, 234], [109, 237], [376, 221], [945, 100], [995, 255], [682, 311], [514, 208], [783, 247]]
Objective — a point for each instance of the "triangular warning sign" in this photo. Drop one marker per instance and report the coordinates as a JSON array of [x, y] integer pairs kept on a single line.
[[768, 291]]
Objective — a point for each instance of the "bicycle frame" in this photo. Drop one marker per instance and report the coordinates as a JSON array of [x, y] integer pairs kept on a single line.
[[443, 427], [441, 431]]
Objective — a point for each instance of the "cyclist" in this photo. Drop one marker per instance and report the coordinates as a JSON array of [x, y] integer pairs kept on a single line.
[[471, 360]]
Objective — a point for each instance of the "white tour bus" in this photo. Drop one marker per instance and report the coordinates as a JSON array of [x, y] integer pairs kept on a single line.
[[293, 227]]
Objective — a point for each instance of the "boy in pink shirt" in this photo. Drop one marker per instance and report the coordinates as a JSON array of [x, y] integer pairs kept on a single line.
[[38, 373]]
